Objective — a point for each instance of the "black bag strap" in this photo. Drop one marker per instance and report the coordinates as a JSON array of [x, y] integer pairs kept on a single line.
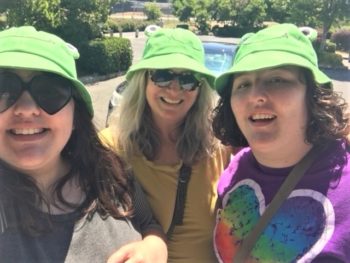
[[184, 178], [3, 218], [286, 188]]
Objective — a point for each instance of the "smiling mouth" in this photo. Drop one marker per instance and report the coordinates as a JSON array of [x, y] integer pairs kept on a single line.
[[31, 131], [262, 117], [170, 101]]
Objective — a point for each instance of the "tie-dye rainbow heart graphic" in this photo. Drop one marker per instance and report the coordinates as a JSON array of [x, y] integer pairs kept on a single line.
[[297, 232]]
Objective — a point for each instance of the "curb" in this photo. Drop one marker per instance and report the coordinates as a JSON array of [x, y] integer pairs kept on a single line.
[[92, 79]]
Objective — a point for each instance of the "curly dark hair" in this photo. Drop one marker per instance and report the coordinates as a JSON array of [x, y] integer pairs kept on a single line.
[[99, 172], [328, 115]]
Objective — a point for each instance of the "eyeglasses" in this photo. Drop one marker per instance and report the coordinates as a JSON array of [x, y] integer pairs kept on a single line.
[[49, 91], [163, 78]]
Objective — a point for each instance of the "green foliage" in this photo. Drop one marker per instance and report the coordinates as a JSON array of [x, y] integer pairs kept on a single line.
[[244, 13], [105, 56], [315, 13], [342, 39], [42, 14], [152, 11], [183, 25], [183, 9], [75, 21], [128, 25], [202, 16], [329, 46], [329, 60], [233, 31], [82, 20]]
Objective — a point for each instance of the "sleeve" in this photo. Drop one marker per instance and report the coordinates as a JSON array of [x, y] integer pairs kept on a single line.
[[143, 219]]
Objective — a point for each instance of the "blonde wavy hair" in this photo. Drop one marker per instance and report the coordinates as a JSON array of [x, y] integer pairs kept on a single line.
[[134, 132]]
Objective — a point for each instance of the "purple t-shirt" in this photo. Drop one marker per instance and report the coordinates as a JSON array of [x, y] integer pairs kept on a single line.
[[313, 224]]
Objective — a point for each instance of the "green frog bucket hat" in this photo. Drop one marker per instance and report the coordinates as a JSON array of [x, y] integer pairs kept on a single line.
[[26, 48], [278, 45], [173, 48]]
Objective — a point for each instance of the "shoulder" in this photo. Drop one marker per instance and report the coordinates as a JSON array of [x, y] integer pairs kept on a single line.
[[240, 159], [106, 135], [108, 139]]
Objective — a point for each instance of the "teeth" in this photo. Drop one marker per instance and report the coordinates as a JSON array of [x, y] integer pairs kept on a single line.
[[171, 101], [27, 131], [262, 117]]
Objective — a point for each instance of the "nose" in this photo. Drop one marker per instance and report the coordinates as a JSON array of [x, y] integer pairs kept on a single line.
[[258, 92], [174, 85], [25, 105]]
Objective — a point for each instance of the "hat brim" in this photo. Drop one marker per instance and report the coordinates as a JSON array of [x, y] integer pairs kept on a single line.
[[21, 60], [172, 61], [269, 59]]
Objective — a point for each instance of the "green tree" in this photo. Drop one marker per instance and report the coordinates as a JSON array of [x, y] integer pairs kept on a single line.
[[183, 9], [82, 20], [202, 16], [42, 14], [152, 11], [277, 10], [197, 9], [316, 13], [332, 12], [75, 21], [242, 13]]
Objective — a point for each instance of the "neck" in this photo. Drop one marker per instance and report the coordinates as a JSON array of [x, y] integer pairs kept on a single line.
[[167, 153], [47, 178], [282, 157]]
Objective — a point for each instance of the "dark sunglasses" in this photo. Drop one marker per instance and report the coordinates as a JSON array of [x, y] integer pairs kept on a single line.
[[49, 91], [163, 78]]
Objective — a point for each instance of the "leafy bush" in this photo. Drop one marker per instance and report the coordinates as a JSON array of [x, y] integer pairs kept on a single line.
[[232, 31], [329, 46], [329, 60], [342, 39], [105, 56], [184, 26], [152, 11], [128, 25]]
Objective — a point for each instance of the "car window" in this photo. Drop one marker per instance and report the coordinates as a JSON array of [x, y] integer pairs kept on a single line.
[[218, 56]]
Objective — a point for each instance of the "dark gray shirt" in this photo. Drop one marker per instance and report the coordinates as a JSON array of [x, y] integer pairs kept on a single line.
[[85, 240]]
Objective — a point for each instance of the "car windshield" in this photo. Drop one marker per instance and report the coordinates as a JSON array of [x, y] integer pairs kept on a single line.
[[218, 56]]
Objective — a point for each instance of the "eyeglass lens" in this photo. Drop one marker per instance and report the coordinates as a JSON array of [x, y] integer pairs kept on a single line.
[[163, 78], [49, 91]]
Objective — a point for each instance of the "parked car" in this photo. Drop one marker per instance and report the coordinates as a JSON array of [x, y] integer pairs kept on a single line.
[[218, 58]]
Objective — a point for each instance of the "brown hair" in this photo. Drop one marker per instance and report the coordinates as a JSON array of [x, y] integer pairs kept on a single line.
[[99, 172], [328, 115]]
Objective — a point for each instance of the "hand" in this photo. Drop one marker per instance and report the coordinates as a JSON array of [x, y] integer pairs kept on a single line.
[[152, 249]]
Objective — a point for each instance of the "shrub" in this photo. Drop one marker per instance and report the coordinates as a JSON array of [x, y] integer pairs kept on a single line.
[[105, 56], [232, 31], [128, 25], [329, 46], [342, 39], [184, 26], [329, 60], [152, 11]]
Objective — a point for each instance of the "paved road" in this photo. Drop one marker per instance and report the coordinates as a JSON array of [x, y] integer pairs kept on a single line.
[[102, 91]]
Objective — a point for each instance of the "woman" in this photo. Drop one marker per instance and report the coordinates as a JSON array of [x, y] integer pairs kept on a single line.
[[275, 100], [64, 196], [161, 127]]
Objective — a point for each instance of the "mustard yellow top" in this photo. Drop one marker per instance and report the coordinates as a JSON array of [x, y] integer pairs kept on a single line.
[[192, 241]]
